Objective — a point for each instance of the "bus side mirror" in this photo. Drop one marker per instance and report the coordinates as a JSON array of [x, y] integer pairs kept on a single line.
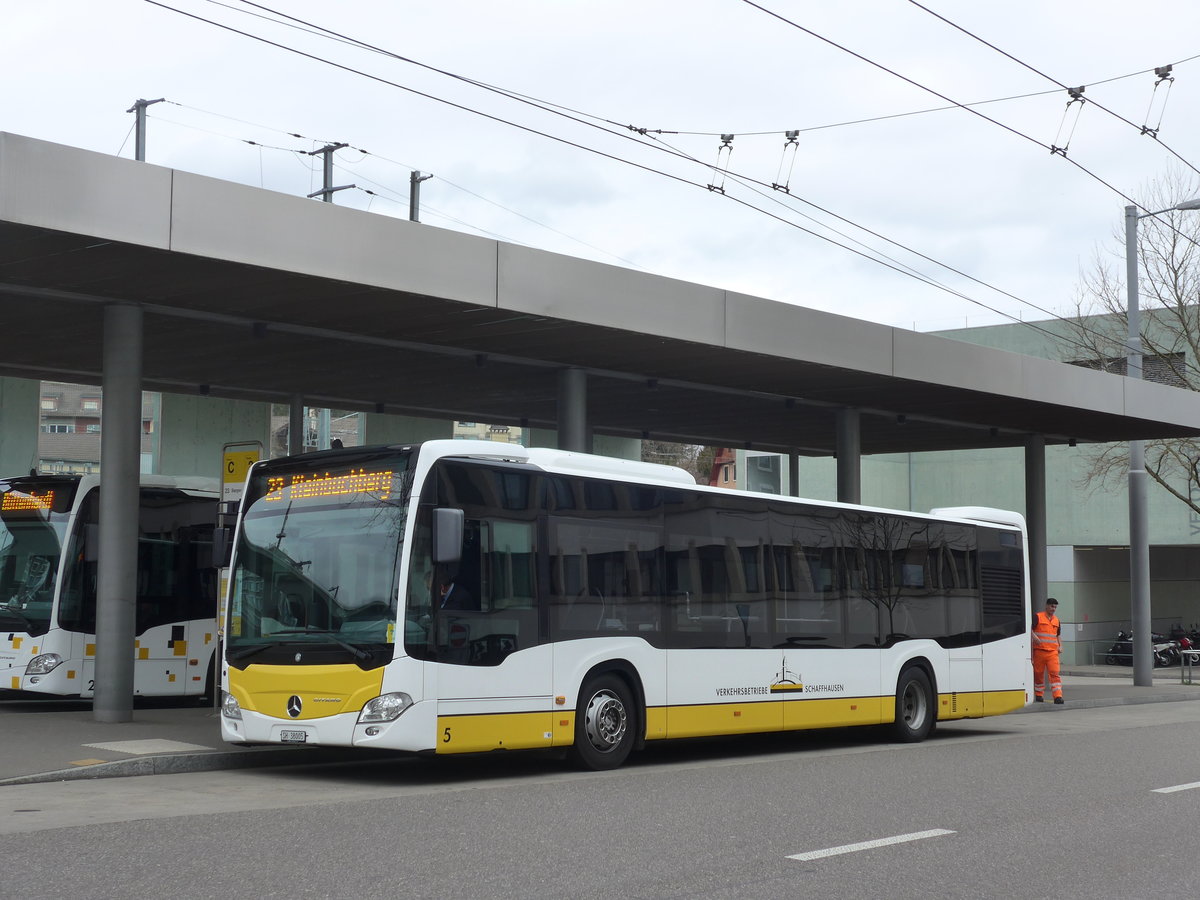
[[447, 535]]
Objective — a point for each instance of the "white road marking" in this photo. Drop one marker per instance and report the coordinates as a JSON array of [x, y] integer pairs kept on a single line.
[[870, 845], [1177, 787]]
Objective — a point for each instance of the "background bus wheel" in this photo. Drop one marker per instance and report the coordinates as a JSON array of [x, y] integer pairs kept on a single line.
[[208, 698], [915, 711], [605, 724]]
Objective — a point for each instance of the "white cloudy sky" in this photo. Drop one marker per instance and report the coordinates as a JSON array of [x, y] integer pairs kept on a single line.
[[947, 184]]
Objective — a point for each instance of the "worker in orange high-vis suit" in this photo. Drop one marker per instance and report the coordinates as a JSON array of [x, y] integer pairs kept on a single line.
[[1047, 645]]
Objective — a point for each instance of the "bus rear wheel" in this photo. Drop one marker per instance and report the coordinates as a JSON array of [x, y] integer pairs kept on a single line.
[[605, 724], [915, 710]]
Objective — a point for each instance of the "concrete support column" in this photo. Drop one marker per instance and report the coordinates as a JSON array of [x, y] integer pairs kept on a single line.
[[381, 428], [1035, 517], [1139, 567], [794, 472], [849, 456], [572, 411], [19, 425], [296, 425], [120, 462]]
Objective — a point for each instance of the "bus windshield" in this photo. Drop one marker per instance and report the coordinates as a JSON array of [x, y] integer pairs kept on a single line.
[[317, 561], [34, 515]]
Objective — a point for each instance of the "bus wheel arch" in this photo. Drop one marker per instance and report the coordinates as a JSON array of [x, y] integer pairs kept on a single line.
[[609, 716], [916, 702]]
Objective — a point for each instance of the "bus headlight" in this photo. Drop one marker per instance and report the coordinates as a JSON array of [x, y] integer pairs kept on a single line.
[[230, 708], [385, 708], [43, 664]]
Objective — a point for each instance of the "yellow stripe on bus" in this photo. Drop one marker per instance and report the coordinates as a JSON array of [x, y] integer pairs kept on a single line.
[[512, 731], [976, 704], [504, 731], [770, 715]]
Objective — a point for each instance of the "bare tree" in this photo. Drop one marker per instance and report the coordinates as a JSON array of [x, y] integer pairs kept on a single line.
[[1169, 296], [694, 458]]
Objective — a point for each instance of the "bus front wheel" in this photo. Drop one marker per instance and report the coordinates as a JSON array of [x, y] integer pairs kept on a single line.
[[916, 713], [605, 724]]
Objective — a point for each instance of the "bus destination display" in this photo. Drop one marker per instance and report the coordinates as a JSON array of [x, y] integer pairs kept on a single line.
[[304, 487]]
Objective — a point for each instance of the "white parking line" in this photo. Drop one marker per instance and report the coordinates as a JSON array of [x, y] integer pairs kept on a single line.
[[1178, 787], [870, 845]]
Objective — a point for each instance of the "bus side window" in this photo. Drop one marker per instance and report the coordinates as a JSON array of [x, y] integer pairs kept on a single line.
[[77, 607], [496, 572], [173, 584]]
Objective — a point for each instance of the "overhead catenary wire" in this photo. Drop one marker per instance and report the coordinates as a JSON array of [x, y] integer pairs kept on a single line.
[[559, 109], [1128, 199], [928, 279], [613, 157], [717, 186], [312, 28], [1049, 78]]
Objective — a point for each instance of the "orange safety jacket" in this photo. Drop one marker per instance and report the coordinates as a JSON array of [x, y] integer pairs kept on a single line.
[[1046, 630]]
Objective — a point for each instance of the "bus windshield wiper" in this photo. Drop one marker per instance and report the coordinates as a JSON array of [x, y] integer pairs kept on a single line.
[[359, 652], [248, 651], [11, 611]]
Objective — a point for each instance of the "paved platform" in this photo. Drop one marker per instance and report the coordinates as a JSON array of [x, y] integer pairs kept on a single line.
[[59, 740]]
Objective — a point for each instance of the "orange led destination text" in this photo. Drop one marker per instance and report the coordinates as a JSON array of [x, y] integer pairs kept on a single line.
[[317, 487], [28, 501]]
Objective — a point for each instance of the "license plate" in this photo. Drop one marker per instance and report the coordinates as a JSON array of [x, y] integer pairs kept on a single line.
[[293, 737]]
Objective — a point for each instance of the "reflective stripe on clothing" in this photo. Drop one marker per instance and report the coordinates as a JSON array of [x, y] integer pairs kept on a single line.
[[1046, 630], [1046, 664]]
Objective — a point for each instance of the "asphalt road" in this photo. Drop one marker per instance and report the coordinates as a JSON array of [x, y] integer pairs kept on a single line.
[[1064, 805]]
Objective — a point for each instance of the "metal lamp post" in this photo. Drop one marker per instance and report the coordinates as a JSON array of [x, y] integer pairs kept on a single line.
[[1139, 539]]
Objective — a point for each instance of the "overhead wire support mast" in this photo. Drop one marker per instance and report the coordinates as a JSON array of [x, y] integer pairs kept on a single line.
[[327, 191], [139, 143]]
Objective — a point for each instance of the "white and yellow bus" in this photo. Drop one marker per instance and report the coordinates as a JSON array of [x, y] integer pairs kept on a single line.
[[462, 596], [48, 566]]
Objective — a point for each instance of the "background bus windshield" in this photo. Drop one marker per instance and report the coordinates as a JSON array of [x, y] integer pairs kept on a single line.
[[318, 557], [33, 525]]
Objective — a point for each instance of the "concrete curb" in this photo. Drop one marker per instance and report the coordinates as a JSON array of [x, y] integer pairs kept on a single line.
[[1050, 706], [177, 763]]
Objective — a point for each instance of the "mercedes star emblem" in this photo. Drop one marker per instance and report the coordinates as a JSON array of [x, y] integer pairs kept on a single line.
[[294, 706]]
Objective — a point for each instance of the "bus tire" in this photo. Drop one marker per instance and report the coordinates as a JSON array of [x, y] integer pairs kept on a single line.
[[916, 713], [605, 724]]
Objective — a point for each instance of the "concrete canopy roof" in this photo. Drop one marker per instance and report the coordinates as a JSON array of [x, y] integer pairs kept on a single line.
[[255, 294]]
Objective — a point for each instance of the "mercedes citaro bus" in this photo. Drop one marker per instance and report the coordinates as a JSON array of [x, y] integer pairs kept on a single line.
[[463, 596], [49, 530]]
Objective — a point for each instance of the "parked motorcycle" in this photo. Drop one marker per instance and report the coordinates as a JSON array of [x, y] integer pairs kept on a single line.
[[1166, 651], [1121, 652]]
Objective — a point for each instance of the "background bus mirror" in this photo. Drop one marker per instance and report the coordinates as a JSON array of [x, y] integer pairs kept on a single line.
[[222, 547], [447, 535]]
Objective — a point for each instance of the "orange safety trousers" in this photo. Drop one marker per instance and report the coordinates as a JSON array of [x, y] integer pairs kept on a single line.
[[1046, 661]]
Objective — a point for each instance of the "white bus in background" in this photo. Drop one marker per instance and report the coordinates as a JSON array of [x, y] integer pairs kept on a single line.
[[598, 604], [48, 566]]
